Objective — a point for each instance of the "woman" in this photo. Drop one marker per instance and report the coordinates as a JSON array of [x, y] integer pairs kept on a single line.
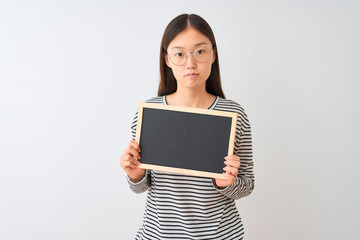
[[181, 206]]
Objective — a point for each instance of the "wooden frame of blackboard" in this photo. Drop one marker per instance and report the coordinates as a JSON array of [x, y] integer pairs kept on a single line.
[[205, 112]]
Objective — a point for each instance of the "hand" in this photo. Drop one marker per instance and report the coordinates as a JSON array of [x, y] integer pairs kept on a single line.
[[231, 169], [129, 162]]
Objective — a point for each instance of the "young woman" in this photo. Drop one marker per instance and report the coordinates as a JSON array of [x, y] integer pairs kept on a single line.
[[180, 206]]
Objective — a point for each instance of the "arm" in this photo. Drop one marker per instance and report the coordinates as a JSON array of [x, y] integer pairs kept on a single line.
[[140, 186], [243, 184], [137, 178]]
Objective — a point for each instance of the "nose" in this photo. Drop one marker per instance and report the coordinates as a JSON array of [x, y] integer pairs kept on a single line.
[[190, 62]]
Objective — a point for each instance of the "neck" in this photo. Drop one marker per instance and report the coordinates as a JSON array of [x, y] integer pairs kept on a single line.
[[190, 98]]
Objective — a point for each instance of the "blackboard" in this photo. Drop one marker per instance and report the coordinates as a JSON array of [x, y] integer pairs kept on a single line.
[[185, 140]]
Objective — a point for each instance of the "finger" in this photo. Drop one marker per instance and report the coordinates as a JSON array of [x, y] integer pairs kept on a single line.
[[135, 145], [232, 158], [229, 177], [233, 171], [133, 152], [130, 150], [129, 158], [235, 164], [129, 164]]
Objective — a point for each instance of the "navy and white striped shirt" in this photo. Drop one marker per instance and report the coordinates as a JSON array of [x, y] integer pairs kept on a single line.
[[189, 207]]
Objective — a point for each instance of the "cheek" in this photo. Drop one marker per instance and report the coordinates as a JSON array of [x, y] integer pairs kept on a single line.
[[177, 73], [204, 70], [207, 72]]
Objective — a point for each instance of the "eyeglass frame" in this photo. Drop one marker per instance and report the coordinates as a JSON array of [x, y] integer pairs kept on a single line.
[[187, 55]]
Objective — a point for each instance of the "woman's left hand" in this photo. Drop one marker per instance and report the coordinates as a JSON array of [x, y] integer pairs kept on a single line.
[[231, 169]]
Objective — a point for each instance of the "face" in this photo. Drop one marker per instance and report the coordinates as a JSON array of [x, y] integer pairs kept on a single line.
[[195, 69]]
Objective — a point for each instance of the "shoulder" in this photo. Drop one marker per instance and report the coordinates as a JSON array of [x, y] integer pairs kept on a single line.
[[243, 124], [229, 105], [232, 106], [159, 100]]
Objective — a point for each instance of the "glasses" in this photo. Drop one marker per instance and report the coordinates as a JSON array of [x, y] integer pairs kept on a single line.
[[179, 57]]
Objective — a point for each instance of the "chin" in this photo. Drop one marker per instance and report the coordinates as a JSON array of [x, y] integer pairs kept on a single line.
[[194, 86]]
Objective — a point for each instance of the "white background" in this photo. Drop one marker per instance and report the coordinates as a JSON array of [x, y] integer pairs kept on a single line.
[[72, 74]]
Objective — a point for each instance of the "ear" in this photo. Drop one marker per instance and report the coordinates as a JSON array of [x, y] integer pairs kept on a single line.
[[214, 57], [167, 60]]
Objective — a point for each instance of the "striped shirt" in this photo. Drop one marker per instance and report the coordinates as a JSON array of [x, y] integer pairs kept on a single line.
[[189, 207]]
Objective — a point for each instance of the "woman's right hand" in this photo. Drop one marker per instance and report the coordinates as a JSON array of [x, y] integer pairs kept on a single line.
[[129, 162]]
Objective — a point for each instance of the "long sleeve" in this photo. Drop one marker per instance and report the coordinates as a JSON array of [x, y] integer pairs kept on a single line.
[[244, 183], [143, 184]]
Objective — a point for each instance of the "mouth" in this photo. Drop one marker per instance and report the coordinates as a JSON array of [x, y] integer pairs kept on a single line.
[[191, 75]]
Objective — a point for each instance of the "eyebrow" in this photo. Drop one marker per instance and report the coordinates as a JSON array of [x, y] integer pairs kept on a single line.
[[196, 45]]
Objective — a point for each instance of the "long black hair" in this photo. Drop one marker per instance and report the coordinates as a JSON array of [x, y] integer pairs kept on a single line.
[[167, 83]]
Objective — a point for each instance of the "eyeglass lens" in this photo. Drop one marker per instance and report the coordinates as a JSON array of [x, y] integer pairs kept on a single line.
[[179, 57]]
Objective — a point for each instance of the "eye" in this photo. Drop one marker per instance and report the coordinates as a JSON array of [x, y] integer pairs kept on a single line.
[[178, 54], [200, 51]]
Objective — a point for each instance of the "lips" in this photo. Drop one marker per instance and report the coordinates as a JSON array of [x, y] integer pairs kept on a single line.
[[191, 75]]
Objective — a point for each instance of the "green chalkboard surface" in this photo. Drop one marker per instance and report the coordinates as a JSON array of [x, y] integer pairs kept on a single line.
[[185, 140]]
